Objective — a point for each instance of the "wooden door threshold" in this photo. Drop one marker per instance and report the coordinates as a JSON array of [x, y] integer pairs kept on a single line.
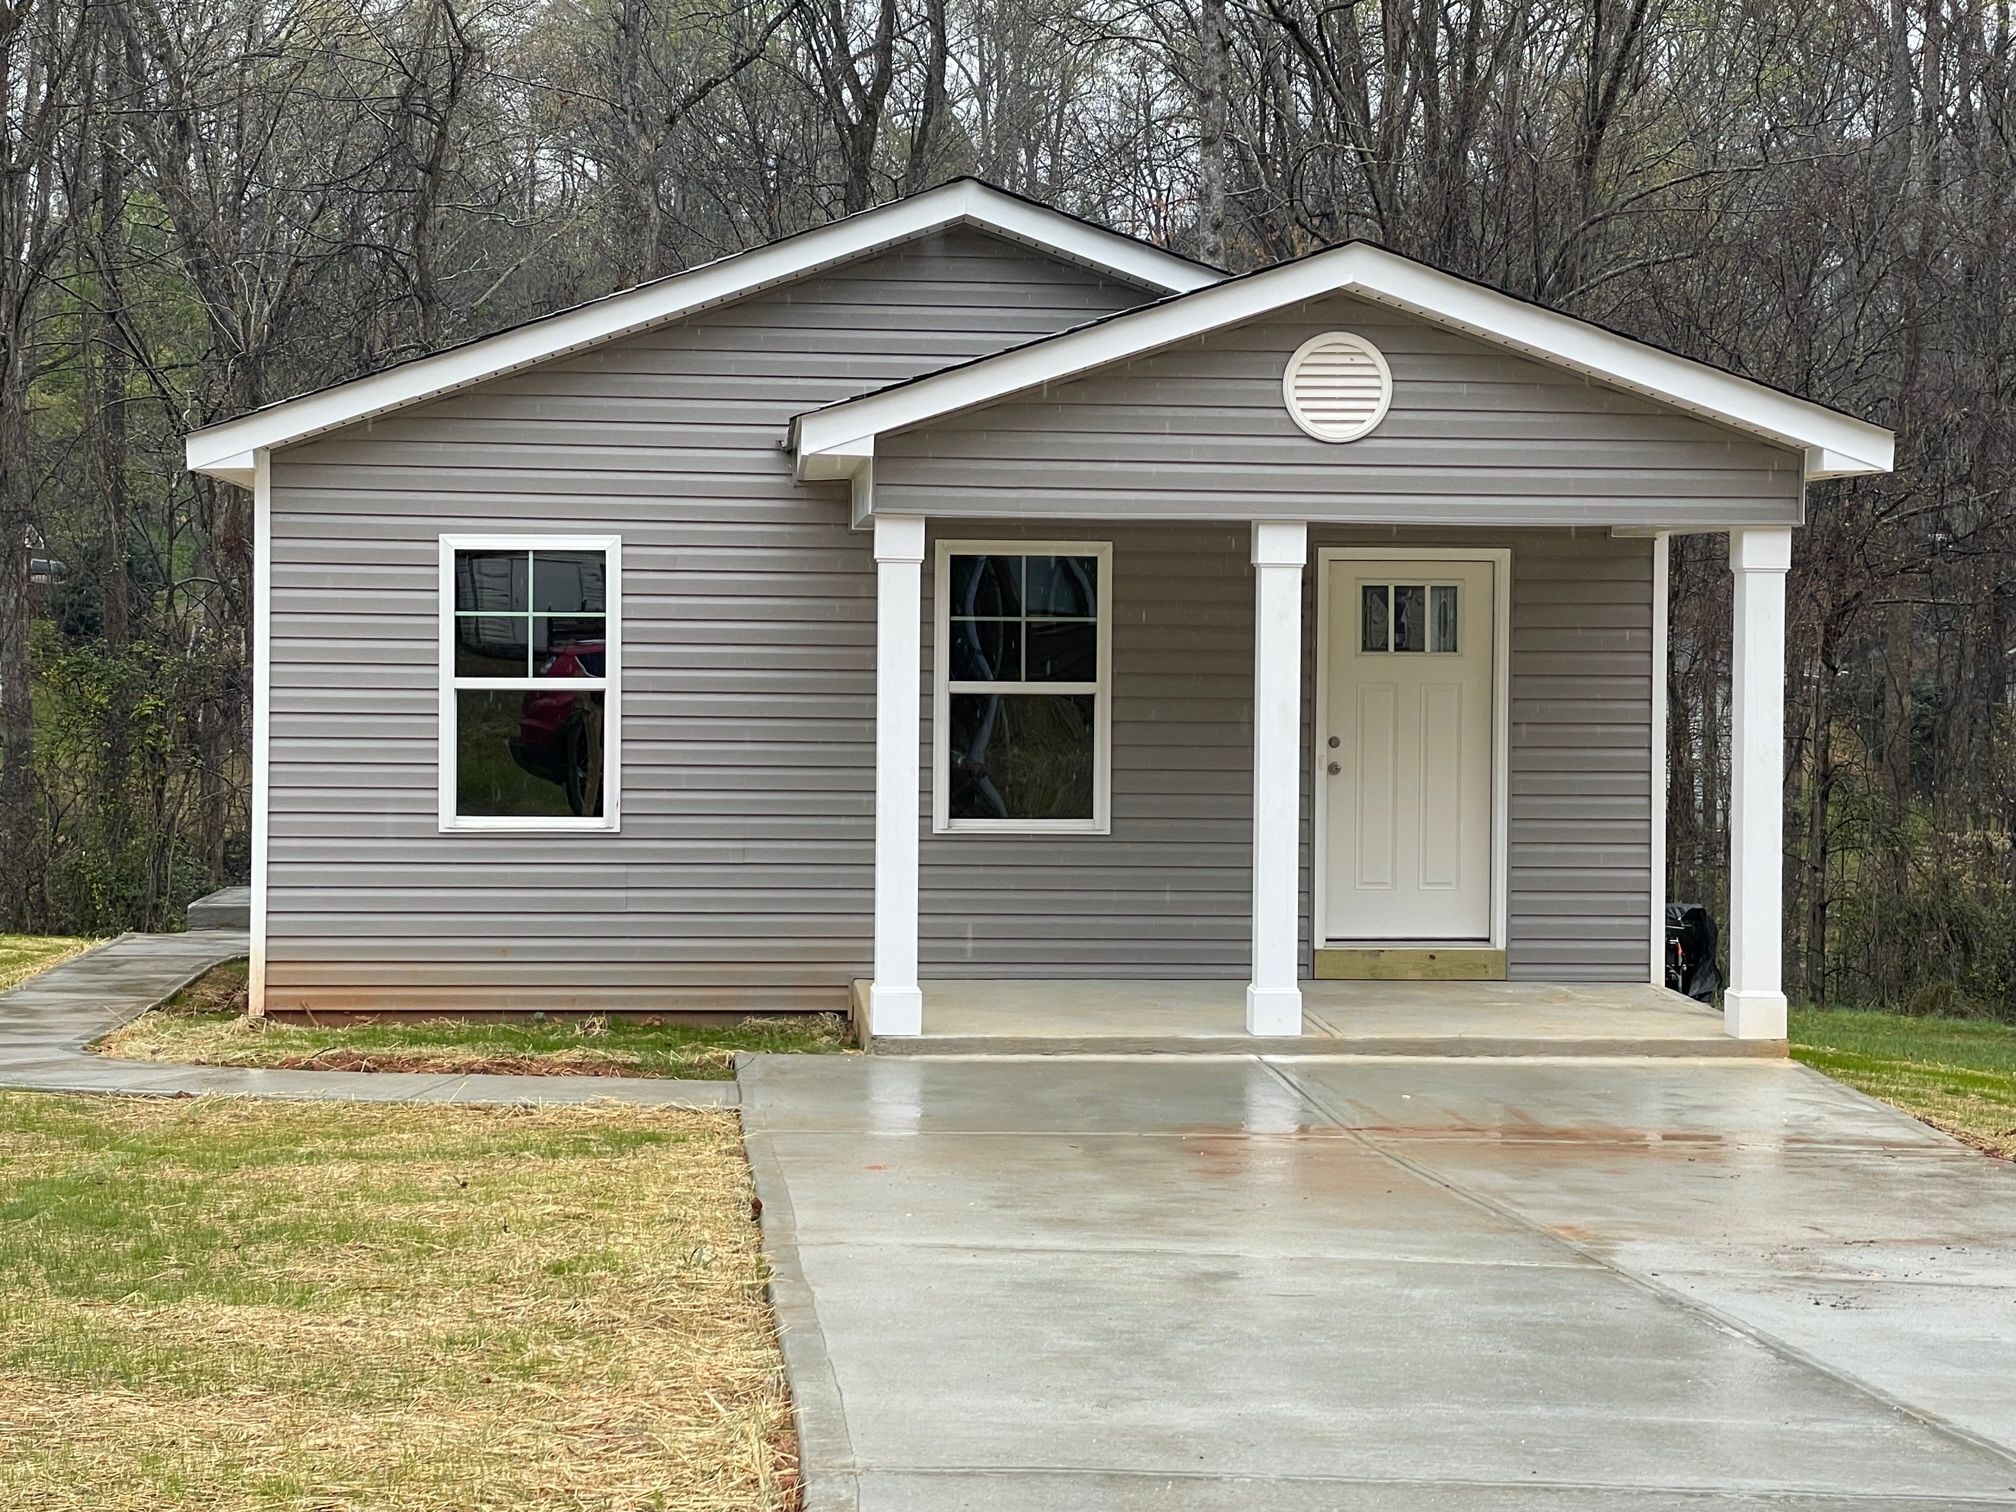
[[1439, 963]]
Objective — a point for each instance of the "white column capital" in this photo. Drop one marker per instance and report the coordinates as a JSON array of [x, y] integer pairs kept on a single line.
[[1280, 543], [899, 538], [1763, 549]]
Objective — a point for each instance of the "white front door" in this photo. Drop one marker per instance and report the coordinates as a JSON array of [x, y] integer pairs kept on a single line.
[[1405, 750]]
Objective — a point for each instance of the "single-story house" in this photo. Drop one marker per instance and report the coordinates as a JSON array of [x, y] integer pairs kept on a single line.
[[964, 591]]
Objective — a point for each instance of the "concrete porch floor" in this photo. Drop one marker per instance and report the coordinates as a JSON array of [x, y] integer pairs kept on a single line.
[[1339, 1018]]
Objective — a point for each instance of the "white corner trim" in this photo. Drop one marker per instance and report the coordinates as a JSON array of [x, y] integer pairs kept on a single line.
[[861, 495], [1101, 689], [1844, 445], [262, 721], [224, 450], [1662, 558], [610, 686]]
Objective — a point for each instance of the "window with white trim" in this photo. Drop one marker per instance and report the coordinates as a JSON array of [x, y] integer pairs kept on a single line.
[[1022, 717], [531, 645]]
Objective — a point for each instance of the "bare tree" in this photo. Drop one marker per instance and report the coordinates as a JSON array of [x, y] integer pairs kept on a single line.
[[40, 45]]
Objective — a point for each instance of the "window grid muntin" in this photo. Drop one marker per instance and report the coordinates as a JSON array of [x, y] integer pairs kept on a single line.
[[945, 621], [1432, 593], [530, 615]]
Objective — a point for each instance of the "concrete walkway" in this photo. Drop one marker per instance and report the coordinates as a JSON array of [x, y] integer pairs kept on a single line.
[[47, 1022], [1399, 1285]]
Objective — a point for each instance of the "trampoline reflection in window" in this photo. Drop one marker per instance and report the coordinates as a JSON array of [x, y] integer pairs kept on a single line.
[[1022, 637]]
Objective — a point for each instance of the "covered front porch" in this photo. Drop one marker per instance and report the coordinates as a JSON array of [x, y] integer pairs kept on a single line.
[[1024, 1017], [1568, 739], [1346, 591]]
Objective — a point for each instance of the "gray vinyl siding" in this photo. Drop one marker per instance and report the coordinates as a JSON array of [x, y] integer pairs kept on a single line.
[[742, 877], [1166, 893], [1475, 436]]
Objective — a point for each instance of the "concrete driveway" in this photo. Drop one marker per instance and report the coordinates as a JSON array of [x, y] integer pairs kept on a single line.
[[1408, 1285]]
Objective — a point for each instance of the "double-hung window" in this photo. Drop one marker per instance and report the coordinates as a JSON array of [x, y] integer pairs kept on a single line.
[[531, 711], [1022, 716]]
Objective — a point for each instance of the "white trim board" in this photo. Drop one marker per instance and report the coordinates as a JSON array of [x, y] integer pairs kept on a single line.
[[225, 450], [1662, 575], [262, 722], [1101, 689], [1500, 560], [1833, 444]]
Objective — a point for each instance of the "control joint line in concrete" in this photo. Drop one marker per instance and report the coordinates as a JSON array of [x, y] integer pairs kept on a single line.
[[1654, 1287]]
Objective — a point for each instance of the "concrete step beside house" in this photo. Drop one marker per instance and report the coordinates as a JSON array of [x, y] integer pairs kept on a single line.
[[226, 908]]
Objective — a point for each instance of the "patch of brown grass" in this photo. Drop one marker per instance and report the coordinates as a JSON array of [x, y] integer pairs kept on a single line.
[[205, 1024], [224, 988], [24, 956], [233, 1305]]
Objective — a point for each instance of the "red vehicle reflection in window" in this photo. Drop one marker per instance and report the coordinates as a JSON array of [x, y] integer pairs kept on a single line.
[[560, 732]]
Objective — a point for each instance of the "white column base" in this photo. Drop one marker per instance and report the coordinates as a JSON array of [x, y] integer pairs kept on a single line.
[[895, 1012], [1753, 1015], [1274, 1010]]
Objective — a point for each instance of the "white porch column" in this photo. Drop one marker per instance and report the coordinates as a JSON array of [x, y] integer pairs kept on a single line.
[[895, 1003], [1273, 998], [1753, 1006]]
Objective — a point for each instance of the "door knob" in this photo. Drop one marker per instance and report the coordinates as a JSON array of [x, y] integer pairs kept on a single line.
[[1335, 769]]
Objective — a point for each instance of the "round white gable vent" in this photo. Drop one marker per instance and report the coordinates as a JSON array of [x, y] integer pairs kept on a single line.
[[1337, 386]]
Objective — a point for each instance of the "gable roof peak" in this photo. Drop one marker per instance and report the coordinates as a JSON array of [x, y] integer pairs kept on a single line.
[[834, 440], [228, 449]]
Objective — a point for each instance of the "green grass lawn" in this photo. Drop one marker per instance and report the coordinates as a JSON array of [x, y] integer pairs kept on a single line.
[[1958, 1074], [21, 956], [234, 1304], [205, 1025]]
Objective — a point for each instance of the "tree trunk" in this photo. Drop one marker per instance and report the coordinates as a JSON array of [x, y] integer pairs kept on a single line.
[[36, 55], [1819, 805], [1214, 47]]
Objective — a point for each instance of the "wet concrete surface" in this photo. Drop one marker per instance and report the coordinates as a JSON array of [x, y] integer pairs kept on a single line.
[[1393, 1284]]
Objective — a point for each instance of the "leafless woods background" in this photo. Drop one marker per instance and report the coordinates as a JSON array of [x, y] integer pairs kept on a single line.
[[208, 204]]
